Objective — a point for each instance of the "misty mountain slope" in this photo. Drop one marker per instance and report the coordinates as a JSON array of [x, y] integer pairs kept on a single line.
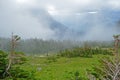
[[87, 20], [44, 17], [100, 25], [87, 26]]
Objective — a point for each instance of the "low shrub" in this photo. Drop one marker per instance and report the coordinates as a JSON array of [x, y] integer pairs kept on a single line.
[[18, 73], [51, 59], [3, 63], [83, 52], [15, 72]]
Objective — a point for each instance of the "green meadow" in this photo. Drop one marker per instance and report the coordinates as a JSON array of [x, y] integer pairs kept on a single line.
[[61, 68]]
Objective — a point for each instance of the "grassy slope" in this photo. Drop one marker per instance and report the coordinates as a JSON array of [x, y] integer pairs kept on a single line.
[[62, 69]]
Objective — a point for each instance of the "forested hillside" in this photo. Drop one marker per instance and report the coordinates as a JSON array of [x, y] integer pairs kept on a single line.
[[39, 46]]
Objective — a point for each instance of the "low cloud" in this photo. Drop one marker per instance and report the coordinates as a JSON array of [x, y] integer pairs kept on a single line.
[[21, 22], [26, 17]]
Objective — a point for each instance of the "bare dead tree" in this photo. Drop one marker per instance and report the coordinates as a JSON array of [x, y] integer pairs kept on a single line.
[[14, 40], [110, 67], [109, 70], [116, 43]]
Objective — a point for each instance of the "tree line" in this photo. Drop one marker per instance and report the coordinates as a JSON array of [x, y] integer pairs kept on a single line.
[[39, 46]]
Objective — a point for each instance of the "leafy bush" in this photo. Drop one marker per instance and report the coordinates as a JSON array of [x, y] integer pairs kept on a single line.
[[3, 63], [51, 59], [74, 76], [19, 58], [16, 72]]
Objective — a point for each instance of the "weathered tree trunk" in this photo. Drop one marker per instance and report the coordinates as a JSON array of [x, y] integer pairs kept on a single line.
[[116, 46], [14, 40]]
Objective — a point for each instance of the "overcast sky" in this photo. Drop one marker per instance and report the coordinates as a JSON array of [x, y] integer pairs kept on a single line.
[[19, 16]]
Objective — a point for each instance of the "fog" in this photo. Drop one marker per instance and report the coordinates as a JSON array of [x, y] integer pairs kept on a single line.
[[60, 19]]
